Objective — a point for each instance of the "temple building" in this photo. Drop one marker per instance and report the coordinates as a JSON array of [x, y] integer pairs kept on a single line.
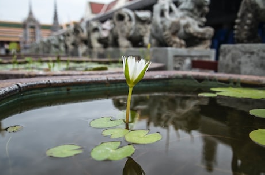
[[11, 31], [55, 26], [94, 8], [26, 32], [31, 31]]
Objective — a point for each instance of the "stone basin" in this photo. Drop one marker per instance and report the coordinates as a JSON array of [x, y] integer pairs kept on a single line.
[[199, 134]]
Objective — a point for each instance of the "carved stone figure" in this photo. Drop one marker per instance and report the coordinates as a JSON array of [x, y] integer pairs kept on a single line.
[[94, 32], [76, 40], [250, 14], [69, 41], [46, 46], [57, 44], [181, 26], [131, 29]]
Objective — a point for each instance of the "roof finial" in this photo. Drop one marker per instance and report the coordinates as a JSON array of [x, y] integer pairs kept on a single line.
[[30, 8], [55, 26]]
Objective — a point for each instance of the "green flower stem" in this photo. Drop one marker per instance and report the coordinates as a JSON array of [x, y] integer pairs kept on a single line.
[[128, 104]]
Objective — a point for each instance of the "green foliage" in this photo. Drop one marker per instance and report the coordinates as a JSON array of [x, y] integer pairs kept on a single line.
[[142, 137], [67, 64], [29, 59], [64, 151], [258, 136], [49, 66], [110, 151], [105, 122], [240, 92], [97, 68], [14, 61], [207, 94], [13, 46], [115, 133], [258, 112]]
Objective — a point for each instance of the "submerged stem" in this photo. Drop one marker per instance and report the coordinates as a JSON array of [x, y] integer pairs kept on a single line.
[[9, 162], [128, 104]]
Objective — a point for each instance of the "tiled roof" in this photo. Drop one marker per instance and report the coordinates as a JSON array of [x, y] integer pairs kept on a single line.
[[96, 7], [111, 5], [12, 24], [13, 33]]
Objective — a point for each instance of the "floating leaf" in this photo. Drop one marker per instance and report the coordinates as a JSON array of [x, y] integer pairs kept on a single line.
[[110, 151], [240, 92], [115, 133], [258, 112], [207, 94], [141, 137], [15, 128], [64, 151], [258, 136], [105, 122]]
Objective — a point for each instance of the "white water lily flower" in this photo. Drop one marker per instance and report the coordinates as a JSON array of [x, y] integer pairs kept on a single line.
[[134, 70]]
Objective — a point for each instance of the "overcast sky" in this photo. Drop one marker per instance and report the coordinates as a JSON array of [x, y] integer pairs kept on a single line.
[[68, 10]]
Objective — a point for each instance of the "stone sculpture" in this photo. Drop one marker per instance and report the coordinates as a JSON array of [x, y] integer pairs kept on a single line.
[[69, 41], [131, 28], [76, 40], [181, 26], [57, 44], [81, 39], [95, 35], [250, 14]]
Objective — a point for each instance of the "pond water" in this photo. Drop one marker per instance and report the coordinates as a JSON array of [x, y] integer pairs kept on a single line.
[[200, 135], [62, 66]]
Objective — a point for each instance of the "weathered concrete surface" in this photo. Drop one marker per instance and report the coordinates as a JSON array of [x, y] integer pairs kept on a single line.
[[180, 59], [14, 74], [15, 86], [245, 59]]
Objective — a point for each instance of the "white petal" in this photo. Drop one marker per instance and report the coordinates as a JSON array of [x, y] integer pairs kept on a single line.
[[124, 58], [132, 66]]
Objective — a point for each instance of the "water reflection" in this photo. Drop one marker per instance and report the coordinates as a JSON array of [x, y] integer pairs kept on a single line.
[[200, 136], [132, 168], [216, 121]]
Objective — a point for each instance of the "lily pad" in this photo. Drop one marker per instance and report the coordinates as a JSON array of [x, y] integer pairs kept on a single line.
[[258, 136], [64, 151], [207, 94], [240, 92], [258, 112], [110, 151], [115, 133], [141, 137], [105, 122], [15, 128]]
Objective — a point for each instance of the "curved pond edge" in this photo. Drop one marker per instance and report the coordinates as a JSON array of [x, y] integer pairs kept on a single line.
[[199, 79], [15, 74]]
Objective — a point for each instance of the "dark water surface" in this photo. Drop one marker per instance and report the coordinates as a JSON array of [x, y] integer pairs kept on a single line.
[[199, 135]]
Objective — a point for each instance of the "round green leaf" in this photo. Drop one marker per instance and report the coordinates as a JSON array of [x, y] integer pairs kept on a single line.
[[64, 151], [240, 92], [141, 137], [258, 136], [110, 151], [258, 112], [207, 94], [105, 122], [15, 128], [115, 133]]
